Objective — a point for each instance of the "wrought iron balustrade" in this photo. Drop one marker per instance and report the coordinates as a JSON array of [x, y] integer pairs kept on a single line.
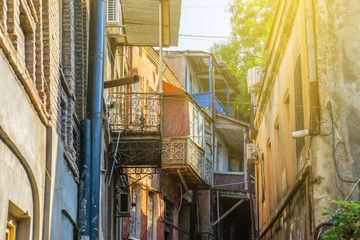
[[135, 112], [184, 151]]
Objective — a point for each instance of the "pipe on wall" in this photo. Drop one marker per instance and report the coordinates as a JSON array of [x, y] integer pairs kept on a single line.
[[286, 201], [90, 219], [84, 188]]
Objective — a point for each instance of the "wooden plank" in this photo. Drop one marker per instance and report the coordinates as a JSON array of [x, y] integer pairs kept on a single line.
[[228, 212]]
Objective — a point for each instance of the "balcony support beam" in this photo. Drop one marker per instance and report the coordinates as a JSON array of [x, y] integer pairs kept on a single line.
[[228, 212], [184, 184], [121, 81]]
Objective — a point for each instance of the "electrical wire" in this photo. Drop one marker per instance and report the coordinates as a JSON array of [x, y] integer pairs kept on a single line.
[[334, 148], [22, 125], [204, 6], [207, 36], [201, 36], [352, 190]]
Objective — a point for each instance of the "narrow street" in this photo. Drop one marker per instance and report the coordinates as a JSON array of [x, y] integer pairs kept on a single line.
[[179, 120]]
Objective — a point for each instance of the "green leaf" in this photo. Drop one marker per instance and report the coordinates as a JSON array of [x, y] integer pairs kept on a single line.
[[250, 23]]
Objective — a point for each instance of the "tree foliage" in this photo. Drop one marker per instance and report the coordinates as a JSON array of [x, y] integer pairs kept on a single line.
[[346, 221], [250, 22]]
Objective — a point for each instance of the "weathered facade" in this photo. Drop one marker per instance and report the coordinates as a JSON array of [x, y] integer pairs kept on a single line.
[[209, 81], [231, 207], [43, 82], [310, 83], [160, 154]]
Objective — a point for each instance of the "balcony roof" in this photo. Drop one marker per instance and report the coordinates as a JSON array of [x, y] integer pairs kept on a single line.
[[141, 20], [231, 129]]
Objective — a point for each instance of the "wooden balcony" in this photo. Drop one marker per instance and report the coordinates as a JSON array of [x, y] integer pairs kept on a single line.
[[229, 181], [184, 154]]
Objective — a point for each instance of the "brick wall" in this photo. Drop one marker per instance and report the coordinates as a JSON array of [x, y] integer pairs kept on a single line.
[[46, 45], [20, 23]]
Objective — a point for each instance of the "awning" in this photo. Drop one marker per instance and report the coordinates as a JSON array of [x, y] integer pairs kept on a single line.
[[171, 89], [141, 21], [231, 129]]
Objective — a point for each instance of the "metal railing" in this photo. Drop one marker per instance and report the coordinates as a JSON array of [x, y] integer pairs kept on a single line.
[[184, 151], [135, 112]]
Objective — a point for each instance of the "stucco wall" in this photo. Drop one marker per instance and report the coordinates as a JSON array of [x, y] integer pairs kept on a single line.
[[327, 44], [177, 63], [65, 197], [278, 164], [222, 157], [338, 47], [22, 151]]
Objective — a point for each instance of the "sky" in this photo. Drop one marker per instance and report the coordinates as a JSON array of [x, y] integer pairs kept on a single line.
[[203, 18]]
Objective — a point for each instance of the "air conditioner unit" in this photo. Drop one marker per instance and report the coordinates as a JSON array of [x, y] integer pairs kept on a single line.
[[254, 77], [250, 153], [113, 12], [113, 17], [122, 204]]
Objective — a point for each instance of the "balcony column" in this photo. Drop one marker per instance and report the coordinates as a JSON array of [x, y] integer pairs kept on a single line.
[[227, 99], [186, 72], [160, 47], [160, 68], [213, 111], [210, 75]]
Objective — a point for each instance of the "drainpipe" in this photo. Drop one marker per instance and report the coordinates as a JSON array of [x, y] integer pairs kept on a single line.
[[84, 188], [247, 185], [90, 220], [252, 214]]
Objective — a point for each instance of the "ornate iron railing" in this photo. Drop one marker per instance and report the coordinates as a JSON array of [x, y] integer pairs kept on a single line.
[[184, 151], [135, 112]]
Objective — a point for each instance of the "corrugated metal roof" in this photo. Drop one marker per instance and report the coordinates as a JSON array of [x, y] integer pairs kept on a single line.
[[141, 20]]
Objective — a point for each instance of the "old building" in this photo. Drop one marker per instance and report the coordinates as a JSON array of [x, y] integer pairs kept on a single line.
[[212, 85], [305, 122], [135, 203], [159, 162], [43, 74]]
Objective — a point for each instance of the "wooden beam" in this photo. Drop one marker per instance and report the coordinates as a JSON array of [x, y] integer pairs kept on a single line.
[[121, 81], [228, 212]]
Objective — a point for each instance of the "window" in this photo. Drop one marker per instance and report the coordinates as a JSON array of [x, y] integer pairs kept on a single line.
[[196, 120], [191, 119], [135, 212], [20, 26], [10, 231], [168, 215], [18, 223], [218, 157], [150, 217], [262, 178], [207, 139], [299, 109]]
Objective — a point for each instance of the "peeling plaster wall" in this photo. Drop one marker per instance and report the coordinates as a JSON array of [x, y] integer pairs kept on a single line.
[[22, 152], [338, 50], [177, 63], [336, 35]]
